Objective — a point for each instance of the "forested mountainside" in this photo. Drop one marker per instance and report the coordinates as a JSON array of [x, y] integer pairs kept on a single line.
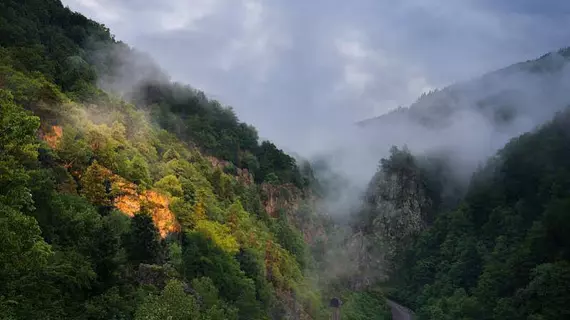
[[502, 252], [154, 204], [494, 248], [124, 195]]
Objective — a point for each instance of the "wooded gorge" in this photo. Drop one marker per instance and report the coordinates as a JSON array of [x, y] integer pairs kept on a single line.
[[492, 247], [125, 195], [498, 254]]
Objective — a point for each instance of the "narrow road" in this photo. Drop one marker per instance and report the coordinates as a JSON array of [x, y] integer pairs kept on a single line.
[[400, 312]]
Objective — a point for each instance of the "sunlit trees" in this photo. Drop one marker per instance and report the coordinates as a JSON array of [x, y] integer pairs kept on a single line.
[[96, 184], [139, 171], [79, 210], [74, 151], [170, 184]]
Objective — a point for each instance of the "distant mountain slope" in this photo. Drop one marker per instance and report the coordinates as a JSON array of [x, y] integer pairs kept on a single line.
[[503, 97], [472, 120]]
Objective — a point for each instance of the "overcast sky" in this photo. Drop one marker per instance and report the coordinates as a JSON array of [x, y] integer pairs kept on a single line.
[[299, 69]]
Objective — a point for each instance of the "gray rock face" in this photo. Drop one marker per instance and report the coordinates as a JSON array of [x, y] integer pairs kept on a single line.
[[395, 209]]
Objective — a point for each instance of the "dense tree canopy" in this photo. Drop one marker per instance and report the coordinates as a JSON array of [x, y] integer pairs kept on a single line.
[[151, 208], [124, 195], [503, 253]]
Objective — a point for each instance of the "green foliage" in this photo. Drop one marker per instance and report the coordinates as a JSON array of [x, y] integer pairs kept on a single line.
[[70, 221], [112, 304], [203, 258], [274, 165], [143, 242], [253, 268], [547, 294], [219, 234], [139, 171], [365, 305], [68, 254], [292, 240], [459, 305], [173, 303], [60, 197], [72, 150], [211, 307], [94, 186], [17, 148], [502, 254], [49, 44], [22, 255], [171, 185], [218, 132], [175, 256]]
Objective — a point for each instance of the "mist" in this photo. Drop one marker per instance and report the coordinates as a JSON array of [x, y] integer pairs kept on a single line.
[[465, 123], [305, 73]]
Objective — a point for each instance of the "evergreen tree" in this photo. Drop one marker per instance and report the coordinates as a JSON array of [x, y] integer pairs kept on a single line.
[[143, 243]]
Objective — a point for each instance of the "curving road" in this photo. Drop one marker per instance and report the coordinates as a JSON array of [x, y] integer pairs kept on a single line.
[[400, 312]]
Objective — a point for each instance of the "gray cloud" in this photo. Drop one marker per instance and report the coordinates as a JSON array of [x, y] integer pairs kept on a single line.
[[314, 65], [303, 71]]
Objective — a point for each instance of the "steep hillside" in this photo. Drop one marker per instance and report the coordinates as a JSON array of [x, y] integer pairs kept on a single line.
[[156, 203], [502, 252], [494, 247], [456, 245]]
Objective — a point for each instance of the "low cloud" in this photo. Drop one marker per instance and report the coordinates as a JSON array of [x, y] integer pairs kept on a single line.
[[290, 66], [303, 72]]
